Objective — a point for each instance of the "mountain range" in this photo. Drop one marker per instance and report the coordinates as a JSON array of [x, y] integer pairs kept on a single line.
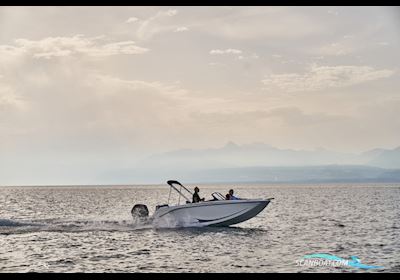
[[260, 154], [259, 162]]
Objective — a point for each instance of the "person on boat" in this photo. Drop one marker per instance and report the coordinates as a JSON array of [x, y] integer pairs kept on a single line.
[[230, 196], [196, 196]]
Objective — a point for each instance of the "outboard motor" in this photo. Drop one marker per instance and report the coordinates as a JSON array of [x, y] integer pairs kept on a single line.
[[140, 211]]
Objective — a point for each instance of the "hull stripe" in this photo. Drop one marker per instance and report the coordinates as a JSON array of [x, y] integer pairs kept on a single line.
[[205, 221]]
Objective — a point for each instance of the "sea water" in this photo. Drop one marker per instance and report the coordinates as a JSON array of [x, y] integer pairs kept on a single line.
[[90, 229]]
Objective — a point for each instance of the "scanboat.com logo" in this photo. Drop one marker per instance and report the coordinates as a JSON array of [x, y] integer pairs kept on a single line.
[[331, 260]]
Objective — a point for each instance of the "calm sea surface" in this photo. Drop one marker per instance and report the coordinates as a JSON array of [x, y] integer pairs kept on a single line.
[[90, 229]]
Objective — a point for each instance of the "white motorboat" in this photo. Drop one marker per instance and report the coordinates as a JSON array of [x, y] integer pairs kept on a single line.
[[215, 212]]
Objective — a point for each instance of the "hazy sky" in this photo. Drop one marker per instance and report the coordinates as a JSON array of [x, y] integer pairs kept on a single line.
[[87, 88]]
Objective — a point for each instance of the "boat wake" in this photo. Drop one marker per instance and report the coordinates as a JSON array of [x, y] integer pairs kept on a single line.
[[11, 223], [8, 226]]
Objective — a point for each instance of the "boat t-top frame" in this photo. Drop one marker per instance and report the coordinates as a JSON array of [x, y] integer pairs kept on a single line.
[[171, 184]]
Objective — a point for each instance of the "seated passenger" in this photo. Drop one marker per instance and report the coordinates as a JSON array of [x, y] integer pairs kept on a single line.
[[196, 197], [230, 196]]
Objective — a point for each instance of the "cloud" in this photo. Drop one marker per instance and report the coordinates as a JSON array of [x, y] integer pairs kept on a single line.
[[292, 116], [51, 47], [253, 56], [383, 43], [84, 110], [255, 23], [131, 19], [8, 97], [336, 49], [357, 43], [234, 52], [125, 47], [295, 116], [216, 64], [323, 77], [335, 13], [181, 29], [12, 107], [163, 89], [226, 51], [155, 24], [171, 13]]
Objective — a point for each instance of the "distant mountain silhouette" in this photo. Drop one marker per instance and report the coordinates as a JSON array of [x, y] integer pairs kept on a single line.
[[386, 158], [257, 174], [302, 174], [260, 154], [259, 162]]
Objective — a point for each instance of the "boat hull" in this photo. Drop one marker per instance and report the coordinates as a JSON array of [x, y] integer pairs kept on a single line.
[[211, 213]]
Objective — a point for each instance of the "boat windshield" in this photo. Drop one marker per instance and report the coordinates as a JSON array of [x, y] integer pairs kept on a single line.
[[217, 196]]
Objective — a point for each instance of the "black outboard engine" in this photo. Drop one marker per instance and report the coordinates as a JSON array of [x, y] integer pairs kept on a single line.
[[140, 211]]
